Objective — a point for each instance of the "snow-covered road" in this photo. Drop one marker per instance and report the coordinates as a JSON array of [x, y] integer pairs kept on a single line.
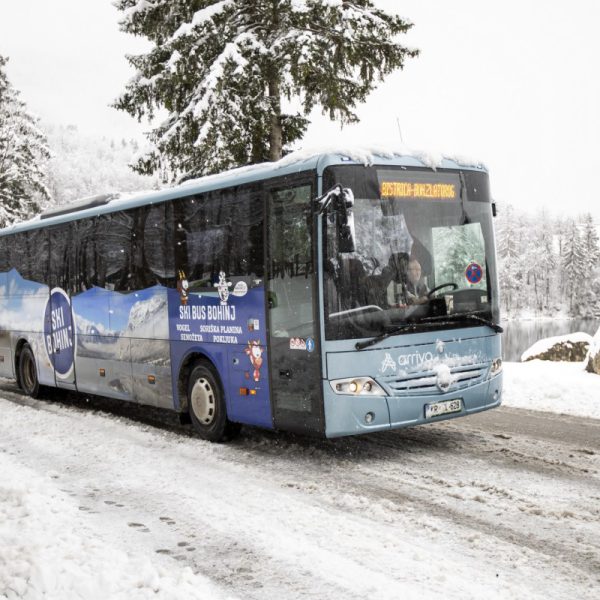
[[107, 505]]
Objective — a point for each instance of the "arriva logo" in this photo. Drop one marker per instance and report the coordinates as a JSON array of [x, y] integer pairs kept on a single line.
[[405, 360], [416, 358]]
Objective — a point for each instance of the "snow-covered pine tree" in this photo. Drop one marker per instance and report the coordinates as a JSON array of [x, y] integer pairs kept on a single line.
[[542, 261], [510, 258], [574, 265], [591, 242], [23, 156], [238, 78], [591, 249]]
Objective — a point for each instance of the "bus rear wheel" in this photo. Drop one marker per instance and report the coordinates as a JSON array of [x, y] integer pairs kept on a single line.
[[207, 405], [28, 372]]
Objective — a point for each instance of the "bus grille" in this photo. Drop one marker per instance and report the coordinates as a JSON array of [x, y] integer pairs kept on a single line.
[[425, 383]]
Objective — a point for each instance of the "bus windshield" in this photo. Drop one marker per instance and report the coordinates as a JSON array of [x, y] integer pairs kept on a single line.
[[424, 253]]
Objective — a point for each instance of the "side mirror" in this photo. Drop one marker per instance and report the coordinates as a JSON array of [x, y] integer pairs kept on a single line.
[[345, 221]]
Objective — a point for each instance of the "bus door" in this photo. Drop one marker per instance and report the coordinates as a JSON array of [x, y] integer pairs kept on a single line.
[[292, 309]]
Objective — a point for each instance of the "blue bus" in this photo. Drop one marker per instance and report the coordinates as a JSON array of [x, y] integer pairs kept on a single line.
[[318, 295]]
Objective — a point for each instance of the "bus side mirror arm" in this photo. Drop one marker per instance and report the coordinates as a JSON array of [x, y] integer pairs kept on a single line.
[[342, 200], [323, 202], [494, 209]]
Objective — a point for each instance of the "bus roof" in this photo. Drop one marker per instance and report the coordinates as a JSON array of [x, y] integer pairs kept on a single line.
[[304, 160]]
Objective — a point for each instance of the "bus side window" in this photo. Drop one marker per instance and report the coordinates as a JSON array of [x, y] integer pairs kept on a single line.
[[17, 253], [28, 254], [4, 265], [86, 259], [113, 248], [220, 231], [200, 239], [61, 265], [246, 234], [158, 245], [39, 254]]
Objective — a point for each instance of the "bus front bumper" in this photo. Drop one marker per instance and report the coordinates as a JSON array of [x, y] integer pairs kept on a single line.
[[352, 415]]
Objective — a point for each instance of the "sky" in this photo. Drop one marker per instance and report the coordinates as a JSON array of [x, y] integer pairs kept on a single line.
[[513, 84]]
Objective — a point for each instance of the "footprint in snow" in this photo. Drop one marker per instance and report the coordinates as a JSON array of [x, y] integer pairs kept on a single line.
[[139, 527]]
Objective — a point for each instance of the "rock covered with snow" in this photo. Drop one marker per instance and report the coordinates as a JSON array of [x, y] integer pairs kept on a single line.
[[572, 347], [593, 357]]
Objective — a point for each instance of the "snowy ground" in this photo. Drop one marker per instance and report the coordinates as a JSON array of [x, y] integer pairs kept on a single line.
[[559, 387], [506, 504]]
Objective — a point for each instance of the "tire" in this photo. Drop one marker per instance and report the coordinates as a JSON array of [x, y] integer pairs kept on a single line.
[[28, 376], [207, 405]]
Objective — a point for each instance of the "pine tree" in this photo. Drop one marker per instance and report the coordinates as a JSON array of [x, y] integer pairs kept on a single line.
[[591, 243], [238, 78], [541, 260], [574, 264], [23, 156], [510, 253], [591, 251]]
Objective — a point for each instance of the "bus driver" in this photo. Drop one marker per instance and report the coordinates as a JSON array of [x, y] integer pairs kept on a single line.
[[413, 291]]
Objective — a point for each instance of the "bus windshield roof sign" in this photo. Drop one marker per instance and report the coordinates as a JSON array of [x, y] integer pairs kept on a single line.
[[406, 185], [418, 191]]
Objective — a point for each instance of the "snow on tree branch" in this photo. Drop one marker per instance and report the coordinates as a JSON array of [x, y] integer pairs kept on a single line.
[[222, 69], [24, 154]]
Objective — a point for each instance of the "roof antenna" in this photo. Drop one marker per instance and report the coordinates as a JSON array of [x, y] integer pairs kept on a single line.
[[400, 130]]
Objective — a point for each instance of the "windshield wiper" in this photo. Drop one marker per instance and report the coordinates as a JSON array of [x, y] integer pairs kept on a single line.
[[425, 323], [440, 320], [386, 334]]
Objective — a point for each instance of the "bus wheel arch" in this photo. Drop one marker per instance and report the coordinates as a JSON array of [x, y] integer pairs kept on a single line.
[[21, 343], [203, 399], [27, 370]]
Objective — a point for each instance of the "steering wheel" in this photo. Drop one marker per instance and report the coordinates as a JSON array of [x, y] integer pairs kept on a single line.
[[437, 288]]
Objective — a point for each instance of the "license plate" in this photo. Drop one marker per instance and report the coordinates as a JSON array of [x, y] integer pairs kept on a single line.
[[443, 408]]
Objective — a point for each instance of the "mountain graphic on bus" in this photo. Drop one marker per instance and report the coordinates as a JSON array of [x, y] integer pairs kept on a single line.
[[22, 302], [141, 313], [106, 321]]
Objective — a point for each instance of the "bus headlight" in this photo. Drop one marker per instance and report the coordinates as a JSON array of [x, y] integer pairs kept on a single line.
[[357, 386], [496, 367]]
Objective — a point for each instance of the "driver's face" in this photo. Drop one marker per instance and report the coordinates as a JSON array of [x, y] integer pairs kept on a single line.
[[414, 272]]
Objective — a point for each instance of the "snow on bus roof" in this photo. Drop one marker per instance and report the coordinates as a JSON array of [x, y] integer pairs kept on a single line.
[[368, 155]]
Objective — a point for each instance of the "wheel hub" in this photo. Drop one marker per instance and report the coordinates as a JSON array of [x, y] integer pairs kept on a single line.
[[203, 401]]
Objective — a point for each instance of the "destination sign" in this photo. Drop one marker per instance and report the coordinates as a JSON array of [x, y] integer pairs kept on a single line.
[[401, 184], [407, 189]]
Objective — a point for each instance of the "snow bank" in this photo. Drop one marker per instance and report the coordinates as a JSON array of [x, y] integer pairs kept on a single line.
[[48, 549], [593, 357], [545, 345], [559, 387]]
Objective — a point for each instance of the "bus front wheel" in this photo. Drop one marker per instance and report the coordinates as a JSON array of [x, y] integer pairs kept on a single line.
[[207, 405], [28, 372]]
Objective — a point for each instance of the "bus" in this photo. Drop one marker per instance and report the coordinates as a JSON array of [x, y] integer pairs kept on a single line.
[[275, 295]]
